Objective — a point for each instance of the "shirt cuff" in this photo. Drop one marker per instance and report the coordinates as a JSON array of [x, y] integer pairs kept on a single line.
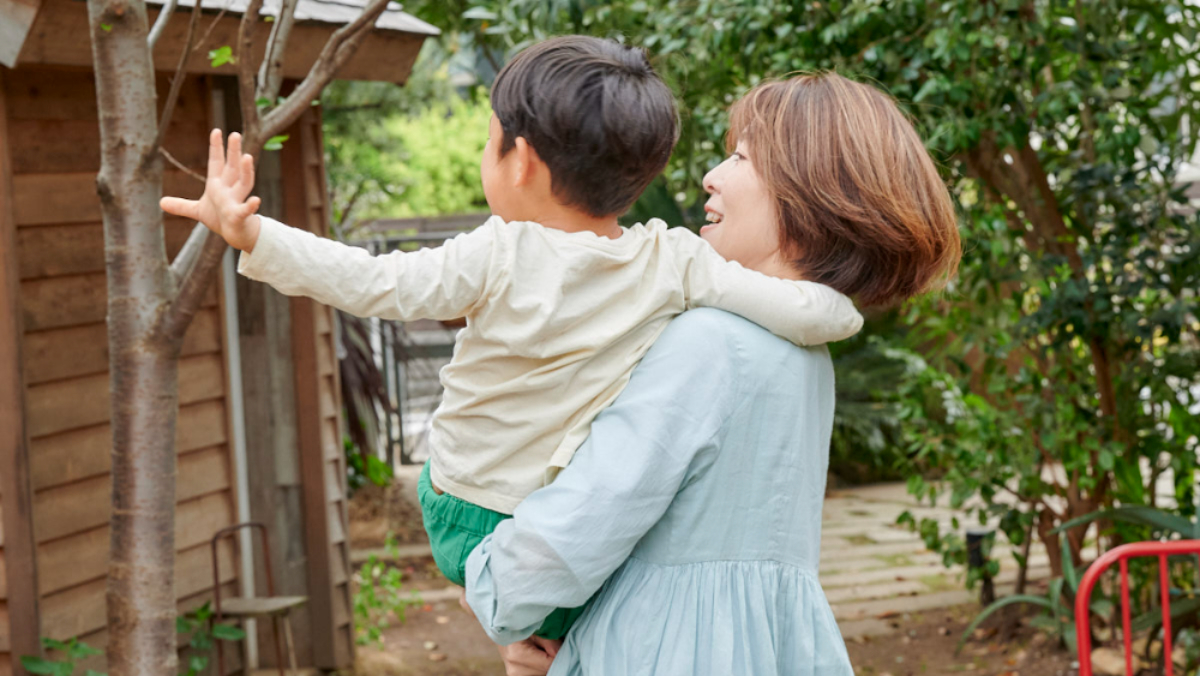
[[257, 264], [484, 600]]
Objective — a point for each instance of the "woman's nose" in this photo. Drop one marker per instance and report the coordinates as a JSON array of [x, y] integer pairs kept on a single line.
[[710, 180]]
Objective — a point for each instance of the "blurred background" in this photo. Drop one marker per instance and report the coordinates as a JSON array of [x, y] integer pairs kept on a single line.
[[1048, 394]]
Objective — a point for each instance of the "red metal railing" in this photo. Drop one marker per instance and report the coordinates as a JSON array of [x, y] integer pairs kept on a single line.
[[1121, 555]]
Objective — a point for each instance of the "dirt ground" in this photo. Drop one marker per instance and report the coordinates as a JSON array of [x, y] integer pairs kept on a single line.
[[924, 643], [374, 511]]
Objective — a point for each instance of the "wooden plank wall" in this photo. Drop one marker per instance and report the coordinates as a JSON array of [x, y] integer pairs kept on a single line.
[[55, 154], [18, 553], [318, 406], [5, 656]]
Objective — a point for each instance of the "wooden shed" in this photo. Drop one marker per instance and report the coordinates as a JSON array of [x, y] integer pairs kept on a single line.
[[259, 423]]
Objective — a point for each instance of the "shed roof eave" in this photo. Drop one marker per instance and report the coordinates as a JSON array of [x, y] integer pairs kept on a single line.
[[336, 12]]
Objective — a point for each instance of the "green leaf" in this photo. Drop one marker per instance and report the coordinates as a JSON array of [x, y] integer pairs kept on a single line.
[[1152, 619], [1135, 514], [106, 27], [275, 142], [38, 665], [1069, 572], [227, 632], [54, 644], [268, 19], [990, 610], [80, 650], [221, 56], [93, 672]]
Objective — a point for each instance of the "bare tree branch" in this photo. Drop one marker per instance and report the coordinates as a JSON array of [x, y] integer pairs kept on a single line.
[[245, 64], [341, 46], [216, 20], [193, 269], [270, 75], [177, 81], [187, 256], [179, 165], [160, 24]]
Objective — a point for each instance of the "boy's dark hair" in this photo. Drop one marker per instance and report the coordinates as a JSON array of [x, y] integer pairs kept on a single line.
[[596, 113]]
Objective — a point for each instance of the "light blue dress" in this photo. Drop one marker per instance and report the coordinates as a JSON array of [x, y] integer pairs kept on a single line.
[[694, 507]]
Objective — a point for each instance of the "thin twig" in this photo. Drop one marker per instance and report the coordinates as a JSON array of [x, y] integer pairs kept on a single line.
[[270, 75], [179, 165], [340, 47], [180, 76], [211, 26], [160, 24]]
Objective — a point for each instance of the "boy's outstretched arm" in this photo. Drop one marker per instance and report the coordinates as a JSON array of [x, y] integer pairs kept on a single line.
[[226, 207], [805, 313]]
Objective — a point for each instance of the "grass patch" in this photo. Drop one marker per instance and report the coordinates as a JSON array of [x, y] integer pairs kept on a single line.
[[895, 560], [938, 583]]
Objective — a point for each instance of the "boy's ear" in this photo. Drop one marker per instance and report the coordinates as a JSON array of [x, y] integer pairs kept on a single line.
[[527, 161]]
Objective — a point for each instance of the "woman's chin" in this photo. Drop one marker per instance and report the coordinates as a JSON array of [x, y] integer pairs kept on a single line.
[[708, 230]]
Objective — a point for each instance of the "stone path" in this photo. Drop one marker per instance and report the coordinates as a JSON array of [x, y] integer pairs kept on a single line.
[[871, 569]]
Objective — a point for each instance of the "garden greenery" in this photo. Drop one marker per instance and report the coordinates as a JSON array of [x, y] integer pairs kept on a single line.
[[1058, 372]]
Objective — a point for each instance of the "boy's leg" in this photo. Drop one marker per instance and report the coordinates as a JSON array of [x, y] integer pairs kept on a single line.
[[455, 527]]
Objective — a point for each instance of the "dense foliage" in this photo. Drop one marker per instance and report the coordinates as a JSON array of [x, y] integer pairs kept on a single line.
[[1058, 373], [402, 151]]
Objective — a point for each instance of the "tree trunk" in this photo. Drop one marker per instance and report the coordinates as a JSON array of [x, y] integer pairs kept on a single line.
[[143, 357]]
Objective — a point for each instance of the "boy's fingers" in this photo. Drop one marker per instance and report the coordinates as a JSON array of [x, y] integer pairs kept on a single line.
[[233, 159], [246, 181], [216, 154], [181, 207], [250, 207]]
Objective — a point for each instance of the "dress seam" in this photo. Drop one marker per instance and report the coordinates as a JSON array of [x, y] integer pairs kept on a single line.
[[797, 567]]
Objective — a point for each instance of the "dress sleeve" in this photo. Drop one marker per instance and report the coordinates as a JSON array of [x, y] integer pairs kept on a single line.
[[446, 282], [805, 313], [566, 539]]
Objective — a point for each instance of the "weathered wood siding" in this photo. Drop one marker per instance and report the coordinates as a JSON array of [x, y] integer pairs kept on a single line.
[[53, 127], [5, 657], [318, 407]]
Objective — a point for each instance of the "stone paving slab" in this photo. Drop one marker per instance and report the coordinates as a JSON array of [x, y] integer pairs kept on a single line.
[[872, 569]]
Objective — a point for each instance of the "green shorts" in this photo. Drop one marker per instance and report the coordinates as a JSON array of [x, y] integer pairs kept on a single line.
[[455, 528]]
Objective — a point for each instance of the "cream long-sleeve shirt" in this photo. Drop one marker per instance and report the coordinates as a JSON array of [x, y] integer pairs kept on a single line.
[[556, 321]]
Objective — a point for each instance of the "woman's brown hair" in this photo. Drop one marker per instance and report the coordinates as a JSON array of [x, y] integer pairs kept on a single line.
[[860, 203]]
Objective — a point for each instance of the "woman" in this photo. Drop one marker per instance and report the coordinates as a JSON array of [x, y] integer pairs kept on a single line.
[[694, 508]]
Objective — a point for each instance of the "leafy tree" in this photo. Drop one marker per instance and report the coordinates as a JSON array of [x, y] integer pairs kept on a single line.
[[439, 164], [362, 157], [1061, 366]]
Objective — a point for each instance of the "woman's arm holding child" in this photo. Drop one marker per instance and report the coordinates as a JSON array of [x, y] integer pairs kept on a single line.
[[442, 283], [805, 313]]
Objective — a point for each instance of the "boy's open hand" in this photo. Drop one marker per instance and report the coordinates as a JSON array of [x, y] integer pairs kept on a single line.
[[224, 206]]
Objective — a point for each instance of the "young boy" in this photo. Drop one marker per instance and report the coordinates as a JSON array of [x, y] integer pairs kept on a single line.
[[561, 302]]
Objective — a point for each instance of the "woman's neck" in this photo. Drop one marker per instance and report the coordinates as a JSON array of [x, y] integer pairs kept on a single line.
[[779, 266]]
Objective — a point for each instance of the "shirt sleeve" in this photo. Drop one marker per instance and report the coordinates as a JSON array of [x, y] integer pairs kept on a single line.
[[446, 282], [566, 539], [805, 313]]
